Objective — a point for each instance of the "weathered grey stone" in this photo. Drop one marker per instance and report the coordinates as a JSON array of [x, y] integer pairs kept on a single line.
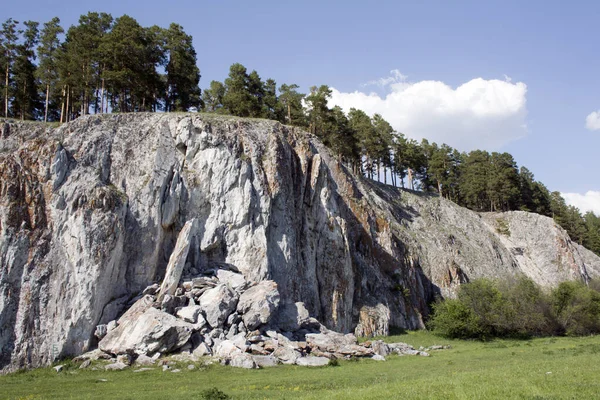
[[60, 167], [152, 289], [287, 355], [116, 366], [337, 344], [85, 364], [143, 359], [291, 316], [217, 303], [258, 303], [111, 325], [242, 360], [233, 279], [93, 355], [59, 368], [378, 357], [153, 331], [265, 361], [101, 331], [312, 361], [177, 261], [202, 350], [190, 313], [380, 348]]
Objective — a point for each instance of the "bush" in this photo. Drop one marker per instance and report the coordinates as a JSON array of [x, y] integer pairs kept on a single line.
[[213, 394], [517, 308], [453, 319], [577, 308]]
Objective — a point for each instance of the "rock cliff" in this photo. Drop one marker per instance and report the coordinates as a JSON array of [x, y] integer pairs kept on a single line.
[[91, 213]]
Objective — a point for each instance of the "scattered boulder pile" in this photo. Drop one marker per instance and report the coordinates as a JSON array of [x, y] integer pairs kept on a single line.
[[221, 314]]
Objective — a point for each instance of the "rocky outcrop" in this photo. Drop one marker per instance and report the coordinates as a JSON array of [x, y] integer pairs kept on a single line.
[[91, 212]]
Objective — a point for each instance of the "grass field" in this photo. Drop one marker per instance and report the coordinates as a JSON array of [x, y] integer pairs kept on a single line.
[[549, 368]]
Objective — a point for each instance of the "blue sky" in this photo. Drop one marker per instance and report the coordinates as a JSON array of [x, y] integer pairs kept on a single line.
[[528, 71]]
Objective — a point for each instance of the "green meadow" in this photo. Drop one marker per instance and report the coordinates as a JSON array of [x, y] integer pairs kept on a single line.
[[542, 368]]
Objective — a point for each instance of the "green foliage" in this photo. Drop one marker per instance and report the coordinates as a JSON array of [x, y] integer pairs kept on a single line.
[[577, 308], [454, 319], [333, 363], [519, 308], [214, 394]]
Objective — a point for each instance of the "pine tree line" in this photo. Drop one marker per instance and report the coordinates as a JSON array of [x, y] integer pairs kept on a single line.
[[99, 65], [478, 180]]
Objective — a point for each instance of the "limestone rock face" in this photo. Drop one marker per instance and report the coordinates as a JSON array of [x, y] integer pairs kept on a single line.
[[91, 212]]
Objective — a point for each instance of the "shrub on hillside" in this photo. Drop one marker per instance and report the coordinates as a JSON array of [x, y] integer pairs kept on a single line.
[[453, 319], [577, 308], [517, 308]]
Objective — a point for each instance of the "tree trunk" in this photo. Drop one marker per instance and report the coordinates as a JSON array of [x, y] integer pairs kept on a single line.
[[6, 92], [68, 98], [62, 105], [385, 175], [46, 108]]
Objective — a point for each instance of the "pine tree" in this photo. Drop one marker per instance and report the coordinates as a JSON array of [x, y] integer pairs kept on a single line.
[[237, 99], [128, 64], [183, 75], [25, 102], [289, 106], [270, 100], [8, 44], [80, 63], [47, 72], [591, 239], [319, 113], [213, 97], [474, 178]]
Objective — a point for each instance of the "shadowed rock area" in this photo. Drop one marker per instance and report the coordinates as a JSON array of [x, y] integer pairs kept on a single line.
[[280, 238]]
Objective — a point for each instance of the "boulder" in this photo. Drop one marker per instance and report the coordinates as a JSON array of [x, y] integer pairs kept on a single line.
[[337, 344], [151, 332], [101, 331], [233, 279], [93, 355], [242, 360], [291, 316], [226, 350], [144, 360], [258, 303], [218, 303], [265, 361], [380, 348], [202, 350], [191, 314], [177, 261], [378, 357], [287, 355], [117, 366]]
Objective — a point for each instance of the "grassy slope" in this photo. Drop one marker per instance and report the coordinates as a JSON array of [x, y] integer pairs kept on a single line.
[[555, 368]]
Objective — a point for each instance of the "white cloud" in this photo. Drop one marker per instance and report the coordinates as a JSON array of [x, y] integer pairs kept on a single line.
[[585, 202], [484, 114], [395, 77], [592, 121]]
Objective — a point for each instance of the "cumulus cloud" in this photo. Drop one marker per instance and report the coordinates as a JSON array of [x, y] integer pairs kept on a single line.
[[589, 201], [479, 114], [592, 121]]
